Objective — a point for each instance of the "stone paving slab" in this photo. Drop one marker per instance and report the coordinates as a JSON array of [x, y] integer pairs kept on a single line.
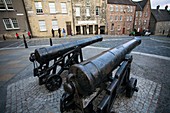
[[26, 96]]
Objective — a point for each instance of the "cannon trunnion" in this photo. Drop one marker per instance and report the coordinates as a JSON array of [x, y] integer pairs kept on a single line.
[[50, 62], [88, 79]]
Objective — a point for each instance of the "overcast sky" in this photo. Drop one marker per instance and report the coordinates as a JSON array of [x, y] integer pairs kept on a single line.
[[162, 3]]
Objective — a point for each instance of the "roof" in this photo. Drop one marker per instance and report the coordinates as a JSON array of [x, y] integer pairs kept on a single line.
[[124, 2], [140, 5], [161, 14]]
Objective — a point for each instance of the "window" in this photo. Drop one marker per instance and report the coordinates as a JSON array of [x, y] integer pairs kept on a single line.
[[6, 5], [15, 23], [9, 4], [52, 7], [128, 9], [136, 14], [135, 23], [10, 23], [131, 9], [111, 18], [130, 18], [127, 18], [2, 5], [140, 14], [38, 7], [116, 18], [42, 25], [54, 24], [97, 10], [120, 17], [63, 8], [111, 7], [117, 8], [145, 22], [87, 11], [146, 14], [121, 8], [77, 11]]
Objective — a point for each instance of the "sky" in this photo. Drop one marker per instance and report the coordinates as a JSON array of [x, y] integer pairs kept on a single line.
[[162, 3]]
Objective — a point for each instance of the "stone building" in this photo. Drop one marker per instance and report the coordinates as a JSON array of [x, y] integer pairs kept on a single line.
[[45, 15], [12, 18], [142, 15], [120, 16], [160, 21], [89, 16]]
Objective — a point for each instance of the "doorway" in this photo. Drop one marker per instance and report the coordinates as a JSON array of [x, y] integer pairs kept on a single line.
[[84, 30], [96, 29], [68, 25], [102, 29], [90, 29]]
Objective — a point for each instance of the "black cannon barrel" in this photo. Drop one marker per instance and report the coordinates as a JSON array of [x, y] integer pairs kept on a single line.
[[91, 73], [46, 54]]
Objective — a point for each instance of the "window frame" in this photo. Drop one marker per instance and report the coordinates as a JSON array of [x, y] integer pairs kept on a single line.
[[44, 28], [97, 10], [87, 11], [38, 7], [52, 8], [111, 8], [54, 26], [11, 23], [6, 5], [63, 9], [77, 11]]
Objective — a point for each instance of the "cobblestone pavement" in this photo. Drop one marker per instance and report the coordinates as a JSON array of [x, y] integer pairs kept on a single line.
[[26, 96], [23, 94]]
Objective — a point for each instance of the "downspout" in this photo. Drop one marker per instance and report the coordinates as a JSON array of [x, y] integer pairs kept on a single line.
[[29, 27]]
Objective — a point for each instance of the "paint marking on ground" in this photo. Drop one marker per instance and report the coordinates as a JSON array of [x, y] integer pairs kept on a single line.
[[139, 53], [160, 40]]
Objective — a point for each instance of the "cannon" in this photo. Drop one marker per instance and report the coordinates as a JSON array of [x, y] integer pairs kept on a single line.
[[90, 78], [50, 62]]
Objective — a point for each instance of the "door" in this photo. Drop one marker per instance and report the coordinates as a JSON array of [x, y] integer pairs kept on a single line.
[[123, 31], [90, 29], [68, 25], [84, 30]]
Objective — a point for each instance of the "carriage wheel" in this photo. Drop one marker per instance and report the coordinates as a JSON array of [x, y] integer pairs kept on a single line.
[[131, 87], [53, 83]]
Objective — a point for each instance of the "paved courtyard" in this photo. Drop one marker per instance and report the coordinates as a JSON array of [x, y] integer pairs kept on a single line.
[[26, 95]]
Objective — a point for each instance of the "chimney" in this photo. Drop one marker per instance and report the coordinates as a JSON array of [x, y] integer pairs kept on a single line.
[[157, 7], [166, 7]]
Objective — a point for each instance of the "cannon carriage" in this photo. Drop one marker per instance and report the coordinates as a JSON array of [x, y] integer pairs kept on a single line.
[[90, 78], [50, 62]]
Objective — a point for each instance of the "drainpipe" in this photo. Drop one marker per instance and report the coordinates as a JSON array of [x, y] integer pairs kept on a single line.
[[29, 27]]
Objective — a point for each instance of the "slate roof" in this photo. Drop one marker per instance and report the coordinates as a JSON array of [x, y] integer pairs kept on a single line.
[[161, 14], [121, 2], [140, 5]]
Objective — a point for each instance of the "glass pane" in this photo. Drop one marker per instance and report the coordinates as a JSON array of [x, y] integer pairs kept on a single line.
[[77, 11], [63, 8], [52, 7], [7, 23], [55, 25], [2, 5], [15, 23], [42, 25]]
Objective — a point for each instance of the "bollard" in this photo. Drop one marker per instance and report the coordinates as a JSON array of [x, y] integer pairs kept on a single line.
[[4, 37], [25, 42], [51, 43]]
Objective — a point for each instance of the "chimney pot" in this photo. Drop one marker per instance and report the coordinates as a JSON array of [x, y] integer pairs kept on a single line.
[[158, 7]]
